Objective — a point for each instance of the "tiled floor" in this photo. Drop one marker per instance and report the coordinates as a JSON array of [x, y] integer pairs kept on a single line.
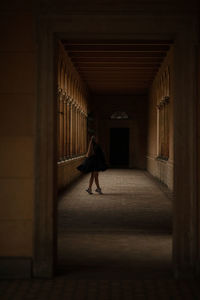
[[115, 246], [125, 233], [65, 289]]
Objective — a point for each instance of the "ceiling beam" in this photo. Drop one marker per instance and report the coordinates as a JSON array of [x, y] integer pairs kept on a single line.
[[114, 48], [118, 84], [116, 68], [117, 60], [117, 54], [120, 91], [117, 75], [117, 42], [118, 72], [118, 65]]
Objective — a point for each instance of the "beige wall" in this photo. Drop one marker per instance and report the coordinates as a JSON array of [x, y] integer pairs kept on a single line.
[[161, 169], [17, 134], [136, 108]]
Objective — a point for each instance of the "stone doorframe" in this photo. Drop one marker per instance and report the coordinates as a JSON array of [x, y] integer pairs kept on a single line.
[[185, 213]]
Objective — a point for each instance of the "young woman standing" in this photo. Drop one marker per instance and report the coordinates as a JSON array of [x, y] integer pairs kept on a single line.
[[94, 162]]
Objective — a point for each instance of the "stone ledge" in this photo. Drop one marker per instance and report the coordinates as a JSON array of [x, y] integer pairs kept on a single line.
[[70, 160], [15, 267], [170, 162]]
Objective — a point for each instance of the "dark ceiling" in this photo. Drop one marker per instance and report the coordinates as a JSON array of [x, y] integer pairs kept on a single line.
[[117, 67]]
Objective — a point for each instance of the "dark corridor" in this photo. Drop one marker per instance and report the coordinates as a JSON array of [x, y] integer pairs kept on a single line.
[[119, 147]]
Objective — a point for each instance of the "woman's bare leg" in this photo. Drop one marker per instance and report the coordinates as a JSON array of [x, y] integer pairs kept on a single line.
[[91, 180], [96, 177]]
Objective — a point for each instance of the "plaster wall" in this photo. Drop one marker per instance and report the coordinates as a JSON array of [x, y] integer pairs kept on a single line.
[[17, 134]]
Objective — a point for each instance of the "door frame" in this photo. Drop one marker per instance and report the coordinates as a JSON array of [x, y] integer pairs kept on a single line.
[[185, 213]]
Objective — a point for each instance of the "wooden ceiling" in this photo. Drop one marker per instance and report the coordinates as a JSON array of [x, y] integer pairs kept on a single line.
[[117, 67]]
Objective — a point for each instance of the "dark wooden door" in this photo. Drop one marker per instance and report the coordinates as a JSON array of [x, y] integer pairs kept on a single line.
[[119, 147]]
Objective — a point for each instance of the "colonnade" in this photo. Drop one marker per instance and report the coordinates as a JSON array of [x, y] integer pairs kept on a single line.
[[162, 100], [72, 110]]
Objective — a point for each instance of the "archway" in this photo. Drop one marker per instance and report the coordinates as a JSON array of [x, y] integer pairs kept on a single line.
[[185, 241]]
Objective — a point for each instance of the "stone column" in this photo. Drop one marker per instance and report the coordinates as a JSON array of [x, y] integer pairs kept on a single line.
[[185, 173], [58, 124], [78, 130], [68, 127], [81, 132], [61, 129], [158, 130], [85, 133], [166, 126], [71, 128], [65, 126], [74, 128]]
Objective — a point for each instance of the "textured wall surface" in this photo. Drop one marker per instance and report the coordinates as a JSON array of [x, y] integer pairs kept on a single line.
[[17, 134]]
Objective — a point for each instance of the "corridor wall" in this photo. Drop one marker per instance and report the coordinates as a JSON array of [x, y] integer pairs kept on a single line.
[[160, 153], [17, 140], [72, 108]]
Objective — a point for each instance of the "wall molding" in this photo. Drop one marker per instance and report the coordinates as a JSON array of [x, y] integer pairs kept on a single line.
[[154, 157], [15, 267], [69, 160]]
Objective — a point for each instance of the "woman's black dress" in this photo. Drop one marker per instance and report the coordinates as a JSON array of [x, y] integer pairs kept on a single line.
[[95, 163]]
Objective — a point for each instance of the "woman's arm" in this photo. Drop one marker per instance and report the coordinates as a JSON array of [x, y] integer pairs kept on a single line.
[[89, 147]]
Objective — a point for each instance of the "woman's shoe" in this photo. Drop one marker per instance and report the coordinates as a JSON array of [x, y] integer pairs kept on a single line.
[[89, 191], [99, 191]]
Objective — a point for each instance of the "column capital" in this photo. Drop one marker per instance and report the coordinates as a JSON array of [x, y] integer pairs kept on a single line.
[[59, 91], [163, 102], [77, 105], [166, 99], [73, 102], [70, 100]]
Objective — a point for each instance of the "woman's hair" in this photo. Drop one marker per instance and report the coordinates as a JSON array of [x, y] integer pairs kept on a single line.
[[94, 140]]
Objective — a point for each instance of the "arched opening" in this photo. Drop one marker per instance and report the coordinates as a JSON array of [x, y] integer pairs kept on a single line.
[[119, 115]]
